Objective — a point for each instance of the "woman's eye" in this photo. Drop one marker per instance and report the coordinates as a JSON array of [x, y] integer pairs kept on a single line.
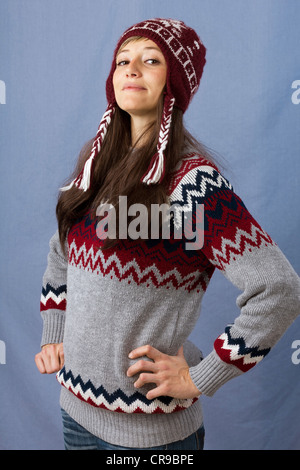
[[153, 61], [148, 61], [122, 62]]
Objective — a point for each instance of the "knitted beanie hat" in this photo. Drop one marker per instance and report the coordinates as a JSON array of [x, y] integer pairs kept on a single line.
[[185, 57]]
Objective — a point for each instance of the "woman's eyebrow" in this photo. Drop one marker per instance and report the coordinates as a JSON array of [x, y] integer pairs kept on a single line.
[[148, 48], [154, 48]]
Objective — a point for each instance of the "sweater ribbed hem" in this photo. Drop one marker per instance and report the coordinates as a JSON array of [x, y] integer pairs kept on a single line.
[[133, 430], [53, 330], [212, 373]]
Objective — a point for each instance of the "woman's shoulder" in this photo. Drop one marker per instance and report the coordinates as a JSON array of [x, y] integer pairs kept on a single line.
[[190, 164], [194, 159]]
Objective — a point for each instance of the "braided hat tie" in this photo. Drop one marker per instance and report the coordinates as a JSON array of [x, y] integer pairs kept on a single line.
[[156, 169], [82, 181]]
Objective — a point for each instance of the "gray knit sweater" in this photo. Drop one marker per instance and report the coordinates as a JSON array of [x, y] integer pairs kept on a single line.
[[103, 303]]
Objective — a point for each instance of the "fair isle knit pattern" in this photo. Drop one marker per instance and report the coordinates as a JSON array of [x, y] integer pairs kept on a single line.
[[52, 298], [132, 272], [234, 351], [118, 401], [104, 303]]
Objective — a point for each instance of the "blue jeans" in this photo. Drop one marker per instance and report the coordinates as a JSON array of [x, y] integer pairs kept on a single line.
[[78, 438]]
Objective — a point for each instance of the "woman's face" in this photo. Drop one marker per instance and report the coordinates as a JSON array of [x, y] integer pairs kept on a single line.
[[139, 78]]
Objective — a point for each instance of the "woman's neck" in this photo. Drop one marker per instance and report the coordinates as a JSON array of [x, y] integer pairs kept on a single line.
[[139, 124]]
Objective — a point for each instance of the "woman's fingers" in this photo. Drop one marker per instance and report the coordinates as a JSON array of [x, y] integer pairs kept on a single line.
[[145, 378], [170, 374], [146, 350], [40, 363], [50, 359], [140, 366]]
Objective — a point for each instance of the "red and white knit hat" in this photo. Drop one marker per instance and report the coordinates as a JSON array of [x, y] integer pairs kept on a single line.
[[185, 57]]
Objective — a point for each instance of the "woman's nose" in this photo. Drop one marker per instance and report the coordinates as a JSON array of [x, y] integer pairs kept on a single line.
[[131, 74], [133, 70]]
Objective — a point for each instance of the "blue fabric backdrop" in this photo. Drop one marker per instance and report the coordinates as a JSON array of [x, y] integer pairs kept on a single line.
[[55, 58]]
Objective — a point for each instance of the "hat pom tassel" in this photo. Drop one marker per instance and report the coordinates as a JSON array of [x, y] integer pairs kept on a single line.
[[84, 178], [156, 169]]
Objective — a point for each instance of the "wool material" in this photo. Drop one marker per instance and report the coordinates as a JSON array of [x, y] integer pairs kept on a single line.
[[104, 303]]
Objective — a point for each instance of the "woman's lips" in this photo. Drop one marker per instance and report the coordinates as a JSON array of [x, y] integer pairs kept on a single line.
[[131, 87]]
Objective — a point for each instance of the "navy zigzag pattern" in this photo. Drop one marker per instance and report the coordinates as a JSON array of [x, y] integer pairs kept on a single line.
[[109, 397], [202, 178], [59, 290], [243, 349]]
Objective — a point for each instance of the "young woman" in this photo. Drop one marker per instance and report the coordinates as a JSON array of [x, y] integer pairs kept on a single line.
[[118, 310]]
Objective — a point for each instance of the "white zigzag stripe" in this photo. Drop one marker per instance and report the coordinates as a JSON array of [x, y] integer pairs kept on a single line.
[[213, 179], [91, 258], [119, 403], [227, 245], [56, 298], [234, 352]]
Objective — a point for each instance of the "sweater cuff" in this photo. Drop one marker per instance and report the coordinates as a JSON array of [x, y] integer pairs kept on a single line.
[[212, 373], [53, 327]]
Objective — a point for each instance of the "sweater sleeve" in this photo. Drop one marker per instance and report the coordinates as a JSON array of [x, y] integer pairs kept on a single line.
[[236, 244], [54, 294]]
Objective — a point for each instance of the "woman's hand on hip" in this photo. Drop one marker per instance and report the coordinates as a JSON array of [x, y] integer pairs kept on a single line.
[[169, 373]]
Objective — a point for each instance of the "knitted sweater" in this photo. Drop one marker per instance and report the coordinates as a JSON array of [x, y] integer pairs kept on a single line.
[[104, 303]]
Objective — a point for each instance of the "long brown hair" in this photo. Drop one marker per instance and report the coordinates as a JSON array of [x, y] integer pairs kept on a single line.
[[119, 168]]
